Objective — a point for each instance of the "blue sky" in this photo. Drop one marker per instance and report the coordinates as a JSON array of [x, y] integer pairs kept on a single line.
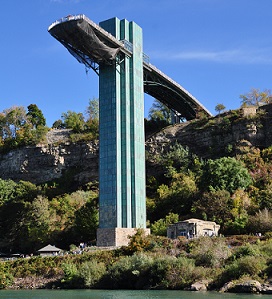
[[216, 49]]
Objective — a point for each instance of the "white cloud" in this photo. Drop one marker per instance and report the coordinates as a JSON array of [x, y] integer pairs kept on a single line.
[[66, 1], [235, 56]]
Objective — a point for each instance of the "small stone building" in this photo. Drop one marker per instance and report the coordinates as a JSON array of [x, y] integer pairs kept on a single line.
[[192, 228]]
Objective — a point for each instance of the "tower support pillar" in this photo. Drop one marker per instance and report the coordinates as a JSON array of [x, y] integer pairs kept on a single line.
[[122, 206]]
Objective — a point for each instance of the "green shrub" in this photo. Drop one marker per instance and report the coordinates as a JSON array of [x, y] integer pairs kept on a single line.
[[266, 248], [84, 137], [245, 266], [142, 271], [251, 265], [268, 235], [181, 274], [71, 277], [6, 279], [159, 227], [37, 266], [138, 242], [156, 276], [209, 252], [245, 250], [129, 272], [91, 272]]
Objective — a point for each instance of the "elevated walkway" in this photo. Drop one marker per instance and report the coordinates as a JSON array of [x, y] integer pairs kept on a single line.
[[92, 45]]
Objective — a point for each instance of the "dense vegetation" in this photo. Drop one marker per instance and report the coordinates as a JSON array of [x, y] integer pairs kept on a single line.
[[19, 127], [234, 190], [60, 212], [30, 218], [150, 262]]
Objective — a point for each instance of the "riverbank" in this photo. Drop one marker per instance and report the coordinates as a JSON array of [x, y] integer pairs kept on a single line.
[[248, 286], [236, 264]]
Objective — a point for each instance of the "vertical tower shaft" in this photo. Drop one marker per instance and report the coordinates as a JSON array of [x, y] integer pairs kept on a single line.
[[122, 152]]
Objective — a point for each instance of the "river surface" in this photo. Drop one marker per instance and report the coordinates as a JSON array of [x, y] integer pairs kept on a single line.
[[104, 294]]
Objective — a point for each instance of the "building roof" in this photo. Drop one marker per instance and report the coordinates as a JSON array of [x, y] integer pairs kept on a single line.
[[49, 248], [194, 220]]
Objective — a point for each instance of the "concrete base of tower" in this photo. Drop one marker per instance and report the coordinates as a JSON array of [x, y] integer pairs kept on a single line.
[[107, 237]]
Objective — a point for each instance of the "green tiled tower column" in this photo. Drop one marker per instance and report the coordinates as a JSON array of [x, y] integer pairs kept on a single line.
[[122, 145]]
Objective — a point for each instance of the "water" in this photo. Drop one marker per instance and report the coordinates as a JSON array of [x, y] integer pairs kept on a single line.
[[104, 294]]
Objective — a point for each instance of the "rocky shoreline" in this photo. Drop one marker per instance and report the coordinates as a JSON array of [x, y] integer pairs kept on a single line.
[[32, 283], [247, 286]]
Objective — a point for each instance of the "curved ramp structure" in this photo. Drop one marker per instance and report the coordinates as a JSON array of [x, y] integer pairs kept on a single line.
[[91, 45]]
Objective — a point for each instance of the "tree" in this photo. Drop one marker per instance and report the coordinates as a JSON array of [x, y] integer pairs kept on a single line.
[[12, 229], [261, 222], [175, 198], [159, 227], [35, 116], [93, 109], [214, 206], [256, 97], [73, 120], [7, 190], [26, 191], [224, 174], [58, 124], [12, 120], [38, 222], [159, 117], [19, 128], [65, 207], [86, 221], [179, 157], [12, 191], [92, 122], [160, 112], [241, 203], [2, 125], [219, 108]]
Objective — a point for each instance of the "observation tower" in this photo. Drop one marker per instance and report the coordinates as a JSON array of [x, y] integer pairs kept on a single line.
[[114, 50]]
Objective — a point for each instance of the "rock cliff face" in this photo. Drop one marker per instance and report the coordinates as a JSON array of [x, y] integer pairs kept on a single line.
[[46, 162], [218, 136]]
